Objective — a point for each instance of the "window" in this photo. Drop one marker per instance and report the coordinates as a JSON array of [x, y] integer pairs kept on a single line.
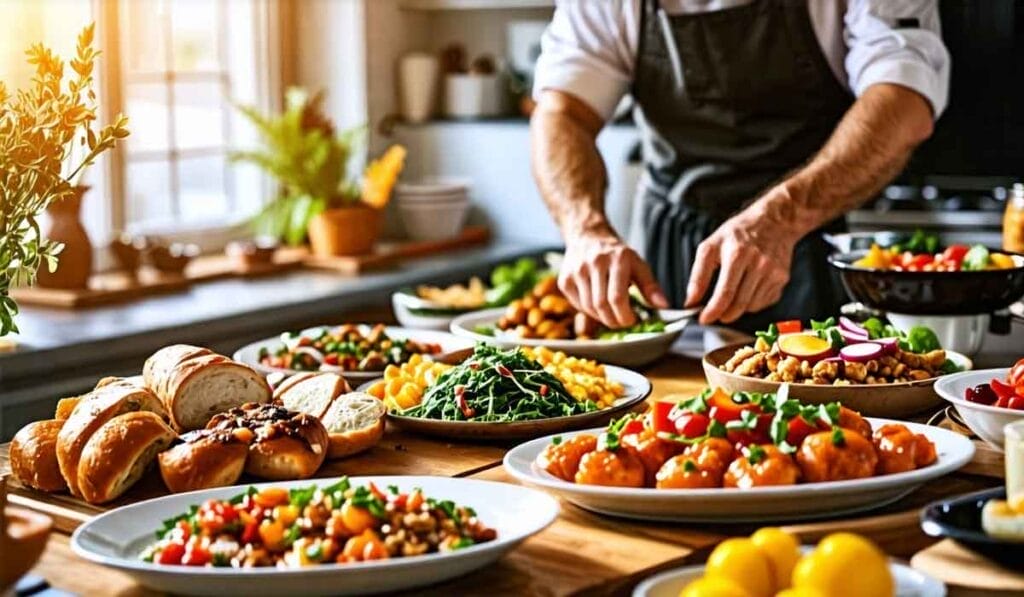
[[175, 68]]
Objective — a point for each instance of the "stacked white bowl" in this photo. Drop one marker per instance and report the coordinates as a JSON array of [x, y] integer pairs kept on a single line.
[[433, 208]]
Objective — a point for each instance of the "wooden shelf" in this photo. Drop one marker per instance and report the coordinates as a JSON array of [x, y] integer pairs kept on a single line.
[[474, 4]]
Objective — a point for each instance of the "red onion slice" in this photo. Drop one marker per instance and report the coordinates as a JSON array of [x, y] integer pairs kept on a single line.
[[852, 326], [861, 353], [852, 338], [889, 345]]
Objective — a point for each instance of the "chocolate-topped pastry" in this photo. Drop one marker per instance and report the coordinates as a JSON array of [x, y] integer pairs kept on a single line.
[[286, 444]]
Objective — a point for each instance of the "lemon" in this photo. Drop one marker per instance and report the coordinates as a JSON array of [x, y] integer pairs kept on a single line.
[[714, 586], [802, 592], [743, 562], [845, 565], [782, 551]]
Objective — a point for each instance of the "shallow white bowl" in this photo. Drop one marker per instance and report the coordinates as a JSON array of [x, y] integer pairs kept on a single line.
[[986, 422], [632, 351], [909, 582], [417, 313], [431, 221], [116, 539], [759, 504]]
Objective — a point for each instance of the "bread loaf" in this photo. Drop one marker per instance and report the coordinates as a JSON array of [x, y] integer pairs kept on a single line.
[[286, 444], [118, 454], [311, 393], [90, 414], [33, 456], [194, 384], [205, 458]]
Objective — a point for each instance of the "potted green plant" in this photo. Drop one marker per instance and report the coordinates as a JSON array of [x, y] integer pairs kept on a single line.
[[39, 127], [318, 196]]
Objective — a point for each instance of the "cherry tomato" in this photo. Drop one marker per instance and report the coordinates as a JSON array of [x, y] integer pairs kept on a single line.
[[331, 358], [660, 419], [798, 429], [196, 556], [981, 394], [790, 326], [171, 554], [1003, 390], [1015, 402], [251, 532], [954, 255], [692, 425]]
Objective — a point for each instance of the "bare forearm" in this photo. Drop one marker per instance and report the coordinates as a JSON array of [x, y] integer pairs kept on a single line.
[[868, 149], [567, 167]]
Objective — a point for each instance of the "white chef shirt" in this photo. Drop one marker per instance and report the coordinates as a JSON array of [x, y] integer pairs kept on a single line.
[[589, 49]]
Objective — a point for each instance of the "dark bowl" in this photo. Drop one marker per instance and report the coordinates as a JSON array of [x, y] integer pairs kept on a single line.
[[960, 519], [931, 293]]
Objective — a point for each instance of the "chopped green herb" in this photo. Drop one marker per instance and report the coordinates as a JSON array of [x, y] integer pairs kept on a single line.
[[770, 335], [716, 429], [302, 496], [292, 535], [689, 466], [556, 440], [838, 438], [754, 454]]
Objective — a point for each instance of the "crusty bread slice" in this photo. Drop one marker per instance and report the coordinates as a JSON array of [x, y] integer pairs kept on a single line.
[[65, 406], [159, 368], [354, 422], [312, 394], [209, 384], [289, 382], [92, 412], [119, 453]]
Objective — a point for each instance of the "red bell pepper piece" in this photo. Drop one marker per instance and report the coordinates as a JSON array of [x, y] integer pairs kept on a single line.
[[171, 553], [723, 409], [632, 426], [954, 255], [1004, 390], [660, 419], [1016, 375], [691, 425], [797, 429], [790, 326]]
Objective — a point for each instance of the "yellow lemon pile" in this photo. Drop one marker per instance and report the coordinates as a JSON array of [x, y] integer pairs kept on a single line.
[[769, 563]]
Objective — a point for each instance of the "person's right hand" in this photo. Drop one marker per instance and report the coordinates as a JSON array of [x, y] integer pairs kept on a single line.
[[596, 274]]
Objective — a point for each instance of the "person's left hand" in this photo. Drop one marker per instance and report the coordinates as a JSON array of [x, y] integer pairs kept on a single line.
[[754, 252]]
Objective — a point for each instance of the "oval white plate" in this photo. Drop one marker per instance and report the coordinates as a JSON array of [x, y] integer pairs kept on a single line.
[[632, 351], [116, 539], [986, 422], [909, 582], [760, 504], [250, 353]]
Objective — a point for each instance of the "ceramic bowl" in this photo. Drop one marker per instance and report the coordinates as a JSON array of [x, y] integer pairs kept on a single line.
[[414, 312], [985, 421], [433, 221]]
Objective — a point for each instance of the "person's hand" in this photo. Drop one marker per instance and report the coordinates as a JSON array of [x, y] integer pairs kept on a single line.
[[596, 274], [754, 254]]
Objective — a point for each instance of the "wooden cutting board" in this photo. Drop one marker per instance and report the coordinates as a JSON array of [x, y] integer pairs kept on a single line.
[[388, 254]]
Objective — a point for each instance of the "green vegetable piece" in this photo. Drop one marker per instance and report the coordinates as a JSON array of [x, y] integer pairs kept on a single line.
[[921, 339], [689, 466], [976, 259], [770, 335], [754, 454], [302, 496], [838, 437]]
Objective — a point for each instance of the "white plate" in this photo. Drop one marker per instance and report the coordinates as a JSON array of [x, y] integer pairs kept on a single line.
[[116, 539], [760, 504], [632, 351], [986, 422], [250, 353], [909, 582]]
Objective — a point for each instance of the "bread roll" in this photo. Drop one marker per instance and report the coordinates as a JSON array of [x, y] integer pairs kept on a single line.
[[119, 453], [92, 412], [194, 384], [287, 445], [354, 422], [33, 456], [65, 406], [311, 393], [205, 458]]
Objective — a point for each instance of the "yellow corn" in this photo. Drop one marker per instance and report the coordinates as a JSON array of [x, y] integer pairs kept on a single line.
[[584, 379]]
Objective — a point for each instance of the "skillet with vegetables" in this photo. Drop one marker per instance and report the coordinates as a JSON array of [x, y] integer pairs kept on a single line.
[[921, 254], [742, 440], [339, 523], [841, 353]]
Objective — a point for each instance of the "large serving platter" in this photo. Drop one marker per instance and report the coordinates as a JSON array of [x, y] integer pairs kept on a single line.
[[759, 504], [637, 388], [632, 351], [909, 582], [116, 539], [875, 400], [250, 353]]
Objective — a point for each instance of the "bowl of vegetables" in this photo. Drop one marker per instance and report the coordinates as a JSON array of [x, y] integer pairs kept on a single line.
[[986, 399], [434, 307], [871, 366], [919, 276]]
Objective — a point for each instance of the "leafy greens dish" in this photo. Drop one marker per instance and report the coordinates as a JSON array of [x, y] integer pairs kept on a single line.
[[841, 353], [742, 440], [335, 524]]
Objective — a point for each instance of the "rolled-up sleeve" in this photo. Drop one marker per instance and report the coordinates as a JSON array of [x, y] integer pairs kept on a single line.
[[585, 52], [900, 42]]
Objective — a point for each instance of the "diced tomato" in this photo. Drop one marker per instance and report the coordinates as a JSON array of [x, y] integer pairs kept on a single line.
[[171, 553], [660, 419], [790, 326], [400, 500], [251, 532], [691, 425], [377, 492], [954, 255], [798, 429], [758, 435], [196, 556], [331, 358], [632, 426], [1003, 390], [1016, 375], [1016, 402], [917, 262], [723, 409]]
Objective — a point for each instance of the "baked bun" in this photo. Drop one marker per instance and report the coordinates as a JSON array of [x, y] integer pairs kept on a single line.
[[119, 453], [354, 422], [286, 444], [194, 384], [91, 413], [205, 458], [311, 393], [33, 456], [65, 406]]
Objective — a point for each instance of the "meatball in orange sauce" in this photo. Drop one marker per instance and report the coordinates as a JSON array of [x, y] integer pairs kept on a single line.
[[684, 472], [763, 465], [836, 456], [900, 450], [712, 453], [563, 459], [851, 419], [652, 450], [621, 468]]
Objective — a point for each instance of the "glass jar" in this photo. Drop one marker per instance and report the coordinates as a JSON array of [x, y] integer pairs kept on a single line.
[[1013, 446], [1013, 220]]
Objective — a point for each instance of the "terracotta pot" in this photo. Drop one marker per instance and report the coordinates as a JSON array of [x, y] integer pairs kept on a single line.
[[344, 231], [23, 536], [75, 261]]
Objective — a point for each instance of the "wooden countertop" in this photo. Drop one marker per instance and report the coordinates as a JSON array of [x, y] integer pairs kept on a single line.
[[581, 553]]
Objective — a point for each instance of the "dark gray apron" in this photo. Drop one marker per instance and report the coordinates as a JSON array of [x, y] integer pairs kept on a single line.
[[730, 101]]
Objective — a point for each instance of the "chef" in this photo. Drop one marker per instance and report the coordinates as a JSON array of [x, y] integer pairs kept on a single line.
[[762, 123]]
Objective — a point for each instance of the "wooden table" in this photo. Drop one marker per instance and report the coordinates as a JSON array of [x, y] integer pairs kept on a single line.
[[581, 553]]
